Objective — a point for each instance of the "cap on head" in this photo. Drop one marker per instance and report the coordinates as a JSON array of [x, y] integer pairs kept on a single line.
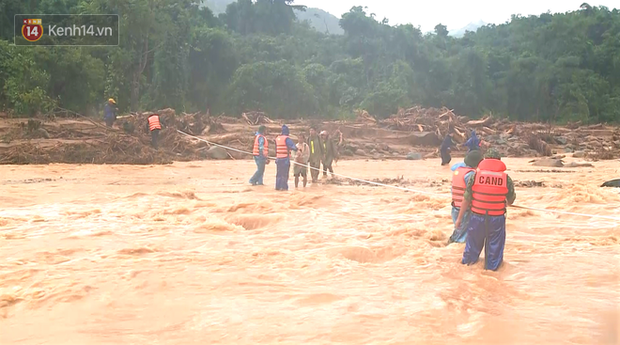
[[473, 158], [111, 100], [285, 130], [493, 154]]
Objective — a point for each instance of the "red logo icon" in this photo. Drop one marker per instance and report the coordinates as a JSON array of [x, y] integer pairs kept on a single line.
[[32, 30]]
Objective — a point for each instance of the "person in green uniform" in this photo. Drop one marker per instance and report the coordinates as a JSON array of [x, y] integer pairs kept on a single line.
[[316, 154], [489, 191], [330, 152]]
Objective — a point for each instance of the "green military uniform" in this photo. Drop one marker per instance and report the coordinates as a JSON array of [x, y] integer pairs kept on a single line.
[[316, 154], [330, 153], [486, 232]]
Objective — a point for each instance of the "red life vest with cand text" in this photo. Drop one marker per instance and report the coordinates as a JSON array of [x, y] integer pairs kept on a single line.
[[490, 188]]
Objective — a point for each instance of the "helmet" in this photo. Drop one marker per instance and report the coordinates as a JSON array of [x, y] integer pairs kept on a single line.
[[493, 154], [111, 100]]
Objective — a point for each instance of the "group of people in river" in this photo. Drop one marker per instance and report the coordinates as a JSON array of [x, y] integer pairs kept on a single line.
[[481, 189], [310, 153]]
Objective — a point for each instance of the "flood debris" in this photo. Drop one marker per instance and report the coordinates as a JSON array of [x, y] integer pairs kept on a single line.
[[553, 171], [548, 162], [416, 129], [612, 183], [529, 184], [82, 141]]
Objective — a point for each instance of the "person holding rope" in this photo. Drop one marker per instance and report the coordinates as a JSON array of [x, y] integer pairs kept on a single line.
[[316, 154], [301, 160], [261, 156], [284, 145], [458, 191], [489, 190], [330, 153]]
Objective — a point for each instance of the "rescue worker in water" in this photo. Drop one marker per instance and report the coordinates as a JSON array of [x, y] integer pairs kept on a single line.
[[316, 154], [489, 190], [154, 126], [284, 145], [459, 186], [261, 156]]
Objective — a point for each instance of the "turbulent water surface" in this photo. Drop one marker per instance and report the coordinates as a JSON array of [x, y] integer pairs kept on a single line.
[[191, 254]]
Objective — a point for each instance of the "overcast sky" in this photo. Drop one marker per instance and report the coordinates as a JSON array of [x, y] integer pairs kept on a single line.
[[453, 13]]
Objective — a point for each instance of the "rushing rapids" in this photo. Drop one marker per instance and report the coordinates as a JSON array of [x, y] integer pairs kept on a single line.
[[191, 254]]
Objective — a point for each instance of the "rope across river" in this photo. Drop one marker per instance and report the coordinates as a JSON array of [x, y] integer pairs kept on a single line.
[[443, 195]]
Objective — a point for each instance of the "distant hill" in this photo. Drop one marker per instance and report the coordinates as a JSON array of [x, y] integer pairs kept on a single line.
[[217, 6], [469, 27], [320, 20]]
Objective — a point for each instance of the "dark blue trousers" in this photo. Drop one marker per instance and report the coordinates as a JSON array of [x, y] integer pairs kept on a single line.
[[283, 170], [488, 233]]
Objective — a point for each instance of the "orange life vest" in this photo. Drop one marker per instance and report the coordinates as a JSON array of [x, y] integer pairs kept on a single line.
[[256, 150], [282, 150], [154, 122], [459, 185], [490, 188]]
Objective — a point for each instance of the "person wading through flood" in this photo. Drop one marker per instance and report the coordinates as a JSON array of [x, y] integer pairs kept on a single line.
[[154, 126], [284, 145], [445, 148], [261, 156], [473, 143], [330, 152], [458, 191], [301, 161], [489, 191], [316, 154]]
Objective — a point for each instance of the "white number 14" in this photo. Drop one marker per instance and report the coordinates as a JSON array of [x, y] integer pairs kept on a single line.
[[34, 31]]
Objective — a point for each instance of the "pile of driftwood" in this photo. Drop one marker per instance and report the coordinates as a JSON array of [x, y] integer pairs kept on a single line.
[[256, 118], [362, 116], [511, 138], [433, 120]]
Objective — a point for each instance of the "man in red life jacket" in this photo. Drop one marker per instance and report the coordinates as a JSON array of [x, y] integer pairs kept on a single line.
[[154, 125], [489, 190], [284, 146], [261, 156], [459, 186]]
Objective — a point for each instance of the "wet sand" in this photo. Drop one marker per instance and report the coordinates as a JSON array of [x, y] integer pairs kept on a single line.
[[191, 254]]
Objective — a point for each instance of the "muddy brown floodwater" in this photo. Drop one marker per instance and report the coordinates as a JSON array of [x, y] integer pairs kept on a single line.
[[191, 254]]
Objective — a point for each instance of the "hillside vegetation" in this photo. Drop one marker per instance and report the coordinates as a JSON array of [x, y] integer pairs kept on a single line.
[[257, 56]]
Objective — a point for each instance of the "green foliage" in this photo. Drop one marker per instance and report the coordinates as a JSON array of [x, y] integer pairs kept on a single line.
[[271, 55], [25, 83], [278, 88]]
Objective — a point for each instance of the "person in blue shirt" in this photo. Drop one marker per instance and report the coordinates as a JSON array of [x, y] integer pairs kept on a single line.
[[261, 156], [109, 112], [459, 185], [445, 148], [284, 146], [457, 165], [473, 143]]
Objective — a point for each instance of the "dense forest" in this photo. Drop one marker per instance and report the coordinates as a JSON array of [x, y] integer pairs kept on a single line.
[[257, 56]]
